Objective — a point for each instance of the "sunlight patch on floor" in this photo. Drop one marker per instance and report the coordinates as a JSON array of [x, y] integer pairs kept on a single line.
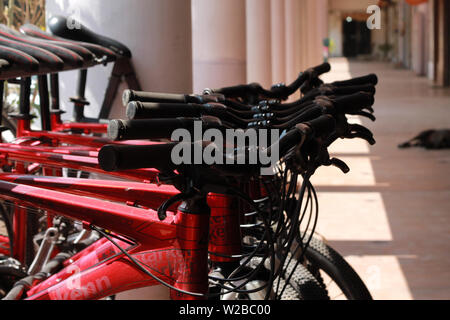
[[365, 211], [382, 275]]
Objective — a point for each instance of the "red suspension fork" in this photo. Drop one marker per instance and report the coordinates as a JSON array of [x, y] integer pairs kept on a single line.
[[192, 221], [225, 231]]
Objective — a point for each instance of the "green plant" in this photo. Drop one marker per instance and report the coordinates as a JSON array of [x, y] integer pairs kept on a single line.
[[385, 49]]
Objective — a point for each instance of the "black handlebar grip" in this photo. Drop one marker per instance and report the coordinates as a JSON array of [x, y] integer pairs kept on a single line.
[[116, 158], [120, 130], [239, 90], [232, 91], [141, 96], [369, 79], [323, 125], [354, 102], [369, 88], [148, 110], [323, 68]]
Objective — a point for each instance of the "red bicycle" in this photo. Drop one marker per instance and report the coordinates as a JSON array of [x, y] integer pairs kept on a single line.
[[235, 234]]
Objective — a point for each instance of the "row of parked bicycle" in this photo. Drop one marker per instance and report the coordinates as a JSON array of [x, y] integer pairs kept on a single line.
[[93, 210]]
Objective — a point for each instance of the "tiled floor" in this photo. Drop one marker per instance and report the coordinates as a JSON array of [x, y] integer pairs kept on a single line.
[[390, 215]]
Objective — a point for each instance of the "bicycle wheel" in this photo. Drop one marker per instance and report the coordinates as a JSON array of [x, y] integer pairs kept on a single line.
[[328, 266], [301, 285]]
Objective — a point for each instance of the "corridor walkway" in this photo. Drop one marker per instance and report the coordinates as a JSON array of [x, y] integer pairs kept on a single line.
[[390, 215]]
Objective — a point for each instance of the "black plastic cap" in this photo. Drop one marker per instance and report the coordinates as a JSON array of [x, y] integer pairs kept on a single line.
[[115, 129], [132, 110], [127, 97], [108, 158]]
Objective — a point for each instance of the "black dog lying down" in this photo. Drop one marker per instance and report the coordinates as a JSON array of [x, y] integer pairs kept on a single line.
[[430, 139]]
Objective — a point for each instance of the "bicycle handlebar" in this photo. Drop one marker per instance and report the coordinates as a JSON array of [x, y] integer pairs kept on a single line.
[[277, 92], [120, 130], [156, 97], [368, 79], [354, 102], [147, 110], [141, 96], [129, 157]]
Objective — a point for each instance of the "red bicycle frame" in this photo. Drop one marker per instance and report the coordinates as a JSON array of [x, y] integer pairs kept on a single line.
[[58, 125], [176, 249], [224, 236], [4, 246]]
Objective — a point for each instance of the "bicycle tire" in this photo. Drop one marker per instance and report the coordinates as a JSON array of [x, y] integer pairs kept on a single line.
[[302, 285], [322, 256]]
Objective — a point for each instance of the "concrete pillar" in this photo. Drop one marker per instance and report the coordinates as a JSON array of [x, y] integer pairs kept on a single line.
[[278, 39], [258, 28], [219, 43], [314, 30], [322, 28], [431, 40], [306, 27], [443, 48], [158, 32], [291, 17]]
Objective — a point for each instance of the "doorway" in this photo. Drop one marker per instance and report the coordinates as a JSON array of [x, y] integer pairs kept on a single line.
[[357, 38]]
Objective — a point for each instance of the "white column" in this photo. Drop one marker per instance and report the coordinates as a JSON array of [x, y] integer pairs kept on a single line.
[[304, 29], [431, 41], [278, 39], [322, 27], [314, 28], [219, 43], [291, 17], [258, 28], [158, 32]]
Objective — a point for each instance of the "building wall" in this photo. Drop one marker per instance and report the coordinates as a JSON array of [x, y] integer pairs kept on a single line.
[[158, 32], [184, 46]]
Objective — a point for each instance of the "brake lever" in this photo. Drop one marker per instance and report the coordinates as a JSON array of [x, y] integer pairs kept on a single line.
[[365, 114], [370, 109], [338, 163], [354, 127], [363, 136]]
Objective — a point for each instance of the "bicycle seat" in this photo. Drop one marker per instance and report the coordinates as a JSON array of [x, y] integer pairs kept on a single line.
[[19, 63], [58, 25], [48, 62], [99, 51], [84, 53], [71, 59]]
